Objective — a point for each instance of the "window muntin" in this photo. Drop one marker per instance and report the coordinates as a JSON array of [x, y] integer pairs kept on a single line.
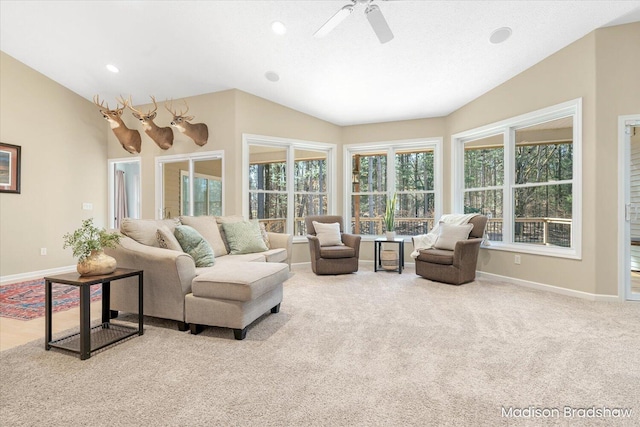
[[540, 191]]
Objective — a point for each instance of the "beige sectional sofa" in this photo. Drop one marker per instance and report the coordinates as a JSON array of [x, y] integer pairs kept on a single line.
[[232, 293]]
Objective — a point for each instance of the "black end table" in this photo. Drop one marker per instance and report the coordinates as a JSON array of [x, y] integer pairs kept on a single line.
[[377, 261], [91, 339]]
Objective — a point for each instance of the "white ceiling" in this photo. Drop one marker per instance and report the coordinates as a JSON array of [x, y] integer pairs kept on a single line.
[[439, 60]]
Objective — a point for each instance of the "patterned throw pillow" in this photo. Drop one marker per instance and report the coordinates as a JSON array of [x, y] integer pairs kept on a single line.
[[244, 237], [166, 239], [195, 245]]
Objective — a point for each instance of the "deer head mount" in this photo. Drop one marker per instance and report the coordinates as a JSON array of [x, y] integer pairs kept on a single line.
[[162, 136], [199, 132], [129, 138]]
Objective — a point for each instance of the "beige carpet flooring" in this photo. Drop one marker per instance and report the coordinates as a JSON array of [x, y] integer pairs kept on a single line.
[[365, 349]]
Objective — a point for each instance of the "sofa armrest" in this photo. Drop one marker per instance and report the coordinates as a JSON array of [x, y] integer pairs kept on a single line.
[[282, 240], [353, 241]]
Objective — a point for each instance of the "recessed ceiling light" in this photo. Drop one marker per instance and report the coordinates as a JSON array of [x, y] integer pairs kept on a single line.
[[272, 76], [500, 35], [112, 68], [278, 28]]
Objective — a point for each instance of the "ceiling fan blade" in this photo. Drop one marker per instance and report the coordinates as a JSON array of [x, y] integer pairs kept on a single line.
[[334, 21], [379, 24]]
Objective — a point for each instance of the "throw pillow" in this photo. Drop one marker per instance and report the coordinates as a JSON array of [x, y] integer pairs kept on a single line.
[[449, 234], [223, 220], [265, 235], [195, 245], [244, 237], [328, 234], [208, 228], [166, 239]]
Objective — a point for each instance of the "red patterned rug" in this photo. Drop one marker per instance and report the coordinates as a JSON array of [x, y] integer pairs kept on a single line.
[[25, 300]]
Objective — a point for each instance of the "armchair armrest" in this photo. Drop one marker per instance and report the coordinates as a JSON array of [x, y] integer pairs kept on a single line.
[[353, 241], [466, 251], [314, 246]]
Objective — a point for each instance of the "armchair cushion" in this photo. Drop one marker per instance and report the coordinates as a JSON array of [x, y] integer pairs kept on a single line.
[[436, 256], [328, 234], [335, 252], [449, 234]]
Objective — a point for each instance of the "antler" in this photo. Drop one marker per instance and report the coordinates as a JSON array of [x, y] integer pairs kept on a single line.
[[96, 100], [153, 98], [187, 105], [129, 104], [169, 109], [125, 103]]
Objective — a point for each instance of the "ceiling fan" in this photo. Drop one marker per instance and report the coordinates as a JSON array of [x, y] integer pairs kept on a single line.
[[374, 16]]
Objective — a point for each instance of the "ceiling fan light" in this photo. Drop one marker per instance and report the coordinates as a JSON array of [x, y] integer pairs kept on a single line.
[[378, 23], [334, 21]]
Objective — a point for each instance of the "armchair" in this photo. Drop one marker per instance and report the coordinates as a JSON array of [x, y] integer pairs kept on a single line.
[[457, 266], [332, 259]]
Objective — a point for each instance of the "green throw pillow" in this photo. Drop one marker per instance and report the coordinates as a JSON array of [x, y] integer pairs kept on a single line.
[[194, 244], [244, 237]]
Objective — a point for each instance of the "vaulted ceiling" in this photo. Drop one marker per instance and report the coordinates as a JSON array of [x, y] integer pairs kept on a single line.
[[440, 58]]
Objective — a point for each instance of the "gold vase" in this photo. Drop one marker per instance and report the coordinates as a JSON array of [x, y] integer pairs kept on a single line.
[[96, 264]]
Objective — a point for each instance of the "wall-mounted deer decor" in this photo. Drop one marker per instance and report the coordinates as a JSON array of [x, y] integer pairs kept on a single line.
[[162, 136], [199, 132], [129, 138]]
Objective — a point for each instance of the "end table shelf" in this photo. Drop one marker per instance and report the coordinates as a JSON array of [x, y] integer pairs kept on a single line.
[[91, 339]]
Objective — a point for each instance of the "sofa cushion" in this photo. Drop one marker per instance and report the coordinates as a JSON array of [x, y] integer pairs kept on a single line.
[[145, 230], [328, 233], [232, 282], [436, 256], [336, 252], [208, 228], [449, 234], [195, 245], [166, 239], [244, 237]]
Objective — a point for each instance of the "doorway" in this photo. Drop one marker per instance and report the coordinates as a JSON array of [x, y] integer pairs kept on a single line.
[[124, 190], [629, 196]]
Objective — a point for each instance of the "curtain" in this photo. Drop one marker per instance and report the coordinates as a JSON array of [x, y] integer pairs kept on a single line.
[[121, 210]]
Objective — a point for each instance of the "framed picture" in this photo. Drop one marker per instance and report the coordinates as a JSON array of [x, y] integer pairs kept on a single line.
[[9, 168]]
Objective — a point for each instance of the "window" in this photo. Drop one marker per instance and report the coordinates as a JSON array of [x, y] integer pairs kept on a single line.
[[287, 180], [189, 184], [408, 168], [523, 174]]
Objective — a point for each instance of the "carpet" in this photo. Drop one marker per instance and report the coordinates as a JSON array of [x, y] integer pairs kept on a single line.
[[25, 300], [366, 349]]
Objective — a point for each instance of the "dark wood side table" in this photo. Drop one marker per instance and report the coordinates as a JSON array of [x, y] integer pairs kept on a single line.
[[377, 261], [91, 339]]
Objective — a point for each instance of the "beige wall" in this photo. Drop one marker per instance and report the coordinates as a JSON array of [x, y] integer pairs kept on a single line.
[[64, 163]]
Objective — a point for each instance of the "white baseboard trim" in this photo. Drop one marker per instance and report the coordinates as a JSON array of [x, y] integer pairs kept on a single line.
[[549, 288], [32, 275]]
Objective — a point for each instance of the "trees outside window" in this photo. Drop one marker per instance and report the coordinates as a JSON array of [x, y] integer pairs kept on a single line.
[[524, 173], [408, 168]]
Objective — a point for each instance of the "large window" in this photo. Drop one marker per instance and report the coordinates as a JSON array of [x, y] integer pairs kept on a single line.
[[207, 193], [409, 169], [287, 180], [524, 174]]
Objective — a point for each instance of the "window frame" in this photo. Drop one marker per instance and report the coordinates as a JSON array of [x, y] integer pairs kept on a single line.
[[290, 145], [508, 128], [349, 150], [184, 174]]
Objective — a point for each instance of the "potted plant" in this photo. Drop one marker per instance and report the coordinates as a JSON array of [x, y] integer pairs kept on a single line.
[[390, 216], [88, 243]]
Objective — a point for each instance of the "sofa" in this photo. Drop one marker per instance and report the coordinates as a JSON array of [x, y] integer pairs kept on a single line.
[[232, 293]]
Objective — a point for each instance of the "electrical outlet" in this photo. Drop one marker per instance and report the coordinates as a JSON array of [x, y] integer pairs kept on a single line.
[[43, 251], [516, 259], [87, 206]]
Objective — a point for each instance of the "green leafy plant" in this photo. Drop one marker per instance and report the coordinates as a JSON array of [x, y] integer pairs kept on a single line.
[[390, 213], [89, 238]]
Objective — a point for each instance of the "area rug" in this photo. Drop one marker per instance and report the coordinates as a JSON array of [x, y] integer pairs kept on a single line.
[[25, 300], [364, 349]]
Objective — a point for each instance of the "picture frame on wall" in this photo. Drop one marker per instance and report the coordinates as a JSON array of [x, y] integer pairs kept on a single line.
[[9, 168]]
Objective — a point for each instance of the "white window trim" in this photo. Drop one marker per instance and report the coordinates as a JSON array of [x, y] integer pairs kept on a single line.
[[507, 128], [391, 147], [191, 158], [290, 145]]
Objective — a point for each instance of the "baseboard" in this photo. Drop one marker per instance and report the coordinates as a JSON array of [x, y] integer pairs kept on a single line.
[[549, 288], [32, 275]]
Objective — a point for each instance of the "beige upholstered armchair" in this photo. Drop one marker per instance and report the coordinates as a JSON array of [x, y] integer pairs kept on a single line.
[[457, 266], [335, 258]]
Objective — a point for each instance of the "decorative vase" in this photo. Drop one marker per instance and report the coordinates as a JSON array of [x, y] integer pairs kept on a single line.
[[389, 259], [391, 235], [96, 264]]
